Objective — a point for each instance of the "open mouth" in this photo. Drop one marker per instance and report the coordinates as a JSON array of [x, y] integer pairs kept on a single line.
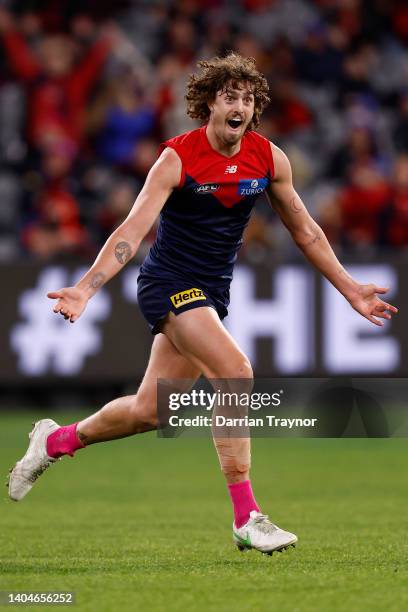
[[234, 123]]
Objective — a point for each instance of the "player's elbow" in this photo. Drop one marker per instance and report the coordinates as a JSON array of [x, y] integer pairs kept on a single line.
[[131, 232]]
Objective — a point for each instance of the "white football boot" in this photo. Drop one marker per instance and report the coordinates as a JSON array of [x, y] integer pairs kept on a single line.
[[26, 471], [259, 533]]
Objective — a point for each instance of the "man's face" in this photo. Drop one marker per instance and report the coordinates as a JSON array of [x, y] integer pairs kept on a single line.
[[231, 113]]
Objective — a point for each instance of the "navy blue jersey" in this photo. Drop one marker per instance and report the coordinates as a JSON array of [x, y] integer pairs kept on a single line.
[[202, 222]]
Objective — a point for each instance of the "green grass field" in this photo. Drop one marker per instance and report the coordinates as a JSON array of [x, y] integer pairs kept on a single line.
[[145, 524]]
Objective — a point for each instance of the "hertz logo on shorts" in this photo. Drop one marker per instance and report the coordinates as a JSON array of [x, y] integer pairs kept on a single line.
[[187, 296]]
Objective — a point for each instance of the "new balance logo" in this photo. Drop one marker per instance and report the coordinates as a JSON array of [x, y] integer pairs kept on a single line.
[[187, 296], [231, 169]]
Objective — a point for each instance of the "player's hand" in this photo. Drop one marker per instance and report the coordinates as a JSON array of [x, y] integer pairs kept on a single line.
[[368, 304], [71, 302]]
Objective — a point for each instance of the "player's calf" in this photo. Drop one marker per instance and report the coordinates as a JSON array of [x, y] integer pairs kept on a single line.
[[143, 418]]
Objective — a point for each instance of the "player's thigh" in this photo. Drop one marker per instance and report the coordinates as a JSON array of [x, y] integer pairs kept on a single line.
[[199, 335], [165, 362]]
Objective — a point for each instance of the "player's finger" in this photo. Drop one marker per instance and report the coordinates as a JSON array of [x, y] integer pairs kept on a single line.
[[381, 289], [73, 318], [384, 306], [57, 307], [383, 314], [375, 321], [54, 295]]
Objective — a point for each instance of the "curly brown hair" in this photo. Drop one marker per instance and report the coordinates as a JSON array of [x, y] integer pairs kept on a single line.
[[219, 73]]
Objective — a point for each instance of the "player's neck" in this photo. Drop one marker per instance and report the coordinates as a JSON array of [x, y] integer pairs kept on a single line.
[[219, 145]]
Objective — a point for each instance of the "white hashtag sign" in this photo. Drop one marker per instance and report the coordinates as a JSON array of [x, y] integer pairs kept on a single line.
[[45, 342]]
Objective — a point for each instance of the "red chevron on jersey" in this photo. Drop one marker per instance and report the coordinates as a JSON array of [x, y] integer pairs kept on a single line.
[[228, 179]]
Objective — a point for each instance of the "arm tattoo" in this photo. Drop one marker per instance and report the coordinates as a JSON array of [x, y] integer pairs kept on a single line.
[[97, 280], [295, 206], [123, 252], [315, 239]]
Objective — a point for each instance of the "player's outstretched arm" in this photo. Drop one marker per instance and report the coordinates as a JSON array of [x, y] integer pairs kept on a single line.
[[123, 243], [311, 239]]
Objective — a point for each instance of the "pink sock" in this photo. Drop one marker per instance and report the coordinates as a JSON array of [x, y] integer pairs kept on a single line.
[[243, 501], [63, 441]]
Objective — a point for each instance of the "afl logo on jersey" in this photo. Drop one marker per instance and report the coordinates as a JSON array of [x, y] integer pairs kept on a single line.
[[207, 188], [252, 186]]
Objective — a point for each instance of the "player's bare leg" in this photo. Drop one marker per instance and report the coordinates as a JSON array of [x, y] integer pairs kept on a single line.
[[221, 359], [122, 417], [133, 414]]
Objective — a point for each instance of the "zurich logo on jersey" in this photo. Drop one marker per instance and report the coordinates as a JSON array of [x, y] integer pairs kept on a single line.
[[252, 186], [206, 188]]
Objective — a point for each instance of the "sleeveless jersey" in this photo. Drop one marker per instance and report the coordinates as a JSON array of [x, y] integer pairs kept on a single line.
[[202, 222]]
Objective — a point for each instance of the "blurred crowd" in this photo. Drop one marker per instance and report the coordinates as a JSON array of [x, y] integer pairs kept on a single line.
[[89, 89]]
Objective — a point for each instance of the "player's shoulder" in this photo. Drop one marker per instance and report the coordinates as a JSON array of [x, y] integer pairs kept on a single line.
[[258, 147], [253, 137], [280, 159], [256, 141], [180, 150], [183, 142]]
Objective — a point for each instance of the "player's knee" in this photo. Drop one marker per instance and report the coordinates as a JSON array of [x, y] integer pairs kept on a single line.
[[244, 370], [235, 369]]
